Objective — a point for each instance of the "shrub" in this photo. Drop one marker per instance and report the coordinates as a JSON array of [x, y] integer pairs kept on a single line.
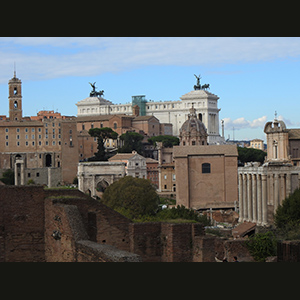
[[262, 245], [133, 197]]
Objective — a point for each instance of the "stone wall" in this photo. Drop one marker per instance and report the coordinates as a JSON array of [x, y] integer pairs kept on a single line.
[[38, 225], [288, 251], [21, 223]]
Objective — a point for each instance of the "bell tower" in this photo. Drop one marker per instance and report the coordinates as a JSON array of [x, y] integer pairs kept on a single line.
[[15, 98]]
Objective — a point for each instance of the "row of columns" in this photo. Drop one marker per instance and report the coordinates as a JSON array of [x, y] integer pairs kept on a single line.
[[257, 190], [253, 198]]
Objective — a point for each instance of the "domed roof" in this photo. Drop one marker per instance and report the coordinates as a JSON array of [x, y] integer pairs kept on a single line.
[[193, 124]]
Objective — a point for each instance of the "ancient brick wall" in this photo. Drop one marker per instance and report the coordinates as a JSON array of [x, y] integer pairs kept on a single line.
[[21, 223], [145, 240], [166, 242], [288, 251]]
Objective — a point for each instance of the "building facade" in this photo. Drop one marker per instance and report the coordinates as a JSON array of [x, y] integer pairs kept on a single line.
[[135, 164], [172, 112], [32, 145], [263, 188]]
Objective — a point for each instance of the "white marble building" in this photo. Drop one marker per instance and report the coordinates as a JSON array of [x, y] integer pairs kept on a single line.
[[175, 112]]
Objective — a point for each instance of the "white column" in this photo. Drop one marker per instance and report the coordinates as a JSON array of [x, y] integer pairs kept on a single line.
[[245, 205], [259, 200], [249, 197], [241, 212], [276, 191], [264, 199], [254, 198]]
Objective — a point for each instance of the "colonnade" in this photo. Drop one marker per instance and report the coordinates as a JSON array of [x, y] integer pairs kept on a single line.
[[257, 191]]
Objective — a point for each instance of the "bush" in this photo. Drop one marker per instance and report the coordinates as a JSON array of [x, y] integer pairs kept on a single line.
[[287, 215], [8, 177], [133, 197], [262, 245]]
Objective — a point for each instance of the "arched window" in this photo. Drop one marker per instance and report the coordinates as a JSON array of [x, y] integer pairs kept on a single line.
[[15, 104], [205, 168]]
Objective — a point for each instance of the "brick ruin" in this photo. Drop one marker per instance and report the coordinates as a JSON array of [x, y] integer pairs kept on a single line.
[[49, 225]]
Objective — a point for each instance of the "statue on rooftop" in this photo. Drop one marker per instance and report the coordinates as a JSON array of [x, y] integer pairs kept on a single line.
[[94, 93]]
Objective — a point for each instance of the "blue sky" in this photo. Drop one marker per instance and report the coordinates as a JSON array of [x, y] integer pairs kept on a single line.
[[252, 76]]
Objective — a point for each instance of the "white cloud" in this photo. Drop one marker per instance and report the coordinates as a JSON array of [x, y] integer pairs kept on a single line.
[[50, 57], [242, 123]]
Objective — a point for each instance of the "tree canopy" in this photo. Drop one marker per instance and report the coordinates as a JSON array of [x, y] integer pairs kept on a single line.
[[288, 213], [167, 140], [251, 154], [133, 197], [8, 177], [101, 134], [131, 141]]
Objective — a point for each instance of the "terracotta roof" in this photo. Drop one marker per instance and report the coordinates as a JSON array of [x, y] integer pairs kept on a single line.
[[242, 229], [144, 118], [294, 134], [94, 118]]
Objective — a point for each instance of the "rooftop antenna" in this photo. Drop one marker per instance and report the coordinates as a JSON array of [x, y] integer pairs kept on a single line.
[[14, 69]]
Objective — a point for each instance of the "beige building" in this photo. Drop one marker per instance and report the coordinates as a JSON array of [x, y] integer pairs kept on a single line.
[[257, 144], [42, 148], [135, 164], [263, 188], [206, 175]]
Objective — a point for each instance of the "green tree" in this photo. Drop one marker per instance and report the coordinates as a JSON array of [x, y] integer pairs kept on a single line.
[[8, 177], [101, 134], [262, 245], [133, 197], [287, 215], [251, 154], [131, 141], [167, 140]]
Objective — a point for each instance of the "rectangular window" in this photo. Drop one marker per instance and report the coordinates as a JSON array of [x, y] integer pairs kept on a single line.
[[205, 168]]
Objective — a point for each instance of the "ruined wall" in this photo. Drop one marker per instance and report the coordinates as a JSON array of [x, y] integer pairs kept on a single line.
[[21, 223], [288, 251], [165, 242]]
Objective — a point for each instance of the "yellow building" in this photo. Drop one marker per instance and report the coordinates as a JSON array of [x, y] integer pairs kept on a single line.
[[257, 144]]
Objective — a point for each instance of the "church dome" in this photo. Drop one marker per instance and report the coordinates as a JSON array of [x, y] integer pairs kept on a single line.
[[193, 131]]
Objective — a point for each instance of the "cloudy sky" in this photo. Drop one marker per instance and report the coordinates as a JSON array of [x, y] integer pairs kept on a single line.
[[252, 76]]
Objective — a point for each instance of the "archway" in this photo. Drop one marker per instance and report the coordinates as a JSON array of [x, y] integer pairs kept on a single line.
[[102, 186], [48, 160]]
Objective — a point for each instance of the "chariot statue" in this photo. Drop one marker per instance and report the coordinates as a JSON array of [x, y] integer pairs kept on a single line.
[[94, 93], [198, 85]]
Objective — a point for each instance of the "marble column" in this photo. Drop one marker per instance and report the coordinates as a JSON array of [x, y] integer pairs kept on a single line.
[[249, 197], [245, 208], [276, 191], [259, 200], [241, 212], [282, 188], [254, 198], [264, 199], [16, 174], [288, 184]]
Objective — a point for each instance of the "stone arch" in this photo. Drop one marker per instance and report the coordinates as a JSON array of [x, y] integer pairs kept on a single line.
[[102, 185]]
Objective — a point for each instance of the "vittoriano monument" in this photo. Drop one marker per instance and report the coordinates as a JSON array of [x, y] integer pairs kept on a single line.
[[198, 85], [94, 93]]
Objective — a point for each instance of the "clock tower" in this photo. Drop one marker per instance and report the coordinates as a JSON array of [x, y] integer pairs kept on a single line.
[[15, 98]]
